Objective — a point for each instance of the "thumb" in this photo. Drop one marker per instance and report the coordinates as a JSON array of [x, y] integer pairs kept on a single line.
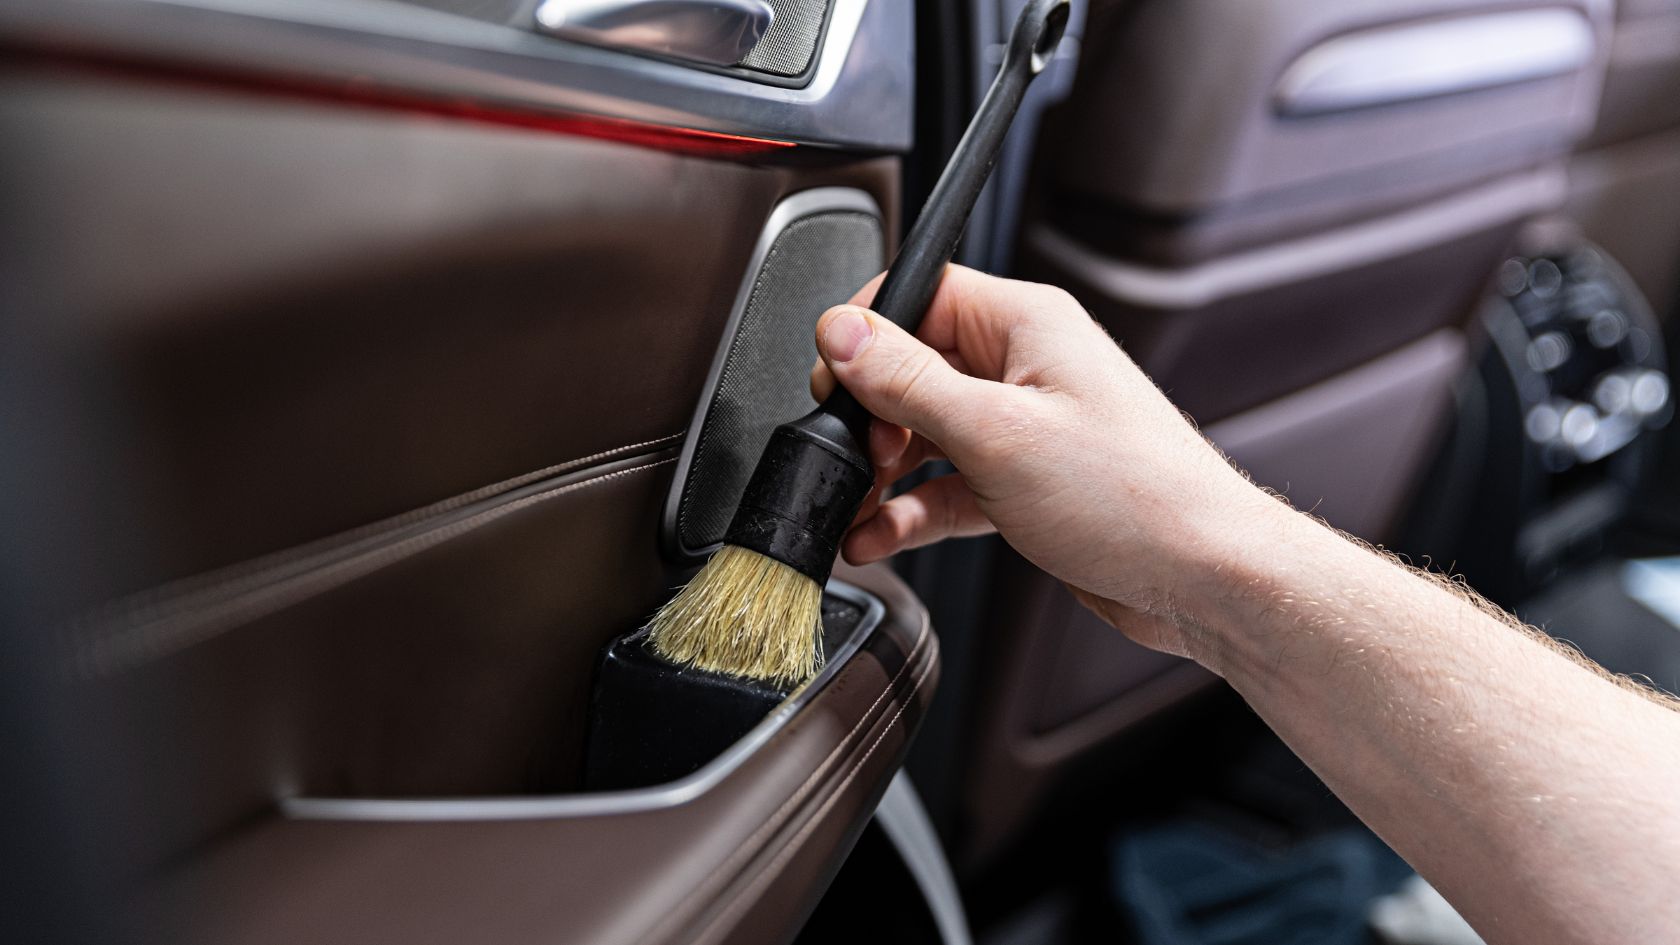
[[893, 374]]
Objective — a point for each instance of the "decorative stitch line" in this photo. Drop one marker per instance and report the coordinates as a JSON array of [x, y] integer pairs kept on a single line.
[[104, 649]]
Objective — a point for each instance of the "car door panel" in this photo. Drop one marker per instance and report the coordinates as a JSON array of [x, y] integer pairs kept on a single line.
[[358, 365], [348, 317], [741, 858]]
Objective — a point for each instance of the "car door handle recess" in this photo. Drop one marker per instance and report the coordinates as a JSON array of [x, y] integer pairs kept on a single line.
[[1405, 62], [714, 32]]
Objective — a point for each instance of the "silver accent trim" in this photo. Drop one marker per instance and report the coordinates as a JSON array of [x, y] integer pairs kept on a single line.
[[715, 32], [1298, 260], [1419, 60], [608, 802], [795, 207], [905, 822], [858, 95]]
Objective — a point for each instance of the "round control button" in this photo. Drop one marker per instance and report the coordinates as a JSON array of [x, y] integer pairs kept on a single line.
[[1549, 351]]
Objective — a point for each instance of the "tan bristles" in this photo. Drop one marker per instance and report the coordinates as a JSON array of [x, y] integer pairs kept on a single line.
[[744, 615]]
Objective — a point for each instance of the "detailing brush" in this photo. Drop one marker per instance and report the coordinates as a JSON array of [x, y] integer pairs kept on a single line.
[[754, 611]]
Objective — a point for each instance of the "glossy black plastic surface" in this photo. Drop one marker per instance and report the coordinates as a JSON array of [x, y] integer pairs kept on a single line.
[[651, 721]]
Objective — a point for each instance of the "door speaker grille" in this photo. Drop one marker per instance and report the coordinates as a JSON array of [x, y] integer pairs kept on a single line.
[[787, 48], [809, 261]]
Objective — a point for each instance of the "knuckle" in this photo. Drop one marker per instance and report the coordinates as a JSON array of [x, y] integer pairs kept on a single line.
[[1008, 425], [950, 518], [913, 381], [1057, 298], [901, 525], [1058, 305]]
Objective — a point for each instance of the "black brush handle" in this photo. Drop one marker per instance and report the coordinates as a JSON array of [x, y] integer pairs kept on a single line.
[[815, 472], [914, 275]]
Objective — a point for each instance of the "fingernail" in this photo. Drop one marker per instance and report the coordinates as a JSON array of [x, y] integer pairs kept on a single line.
[[847, 334]]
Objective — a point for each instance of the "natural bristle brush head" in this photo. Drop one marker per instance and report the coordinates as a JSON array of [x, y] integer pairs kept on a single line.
[[755, 610], [744, 615]]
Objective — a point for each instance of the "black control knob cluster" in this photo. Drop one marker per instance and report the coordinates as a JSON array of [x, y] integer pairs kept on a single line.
[[1590, 368]]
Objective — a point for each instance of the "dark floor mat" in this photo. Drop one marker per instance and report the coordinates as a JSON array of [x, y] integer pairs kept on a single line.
[[1188, 883]]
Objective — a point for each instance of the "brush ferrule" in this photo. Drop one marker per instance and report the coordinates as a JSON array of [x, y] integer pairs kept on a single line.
[[807, 488]]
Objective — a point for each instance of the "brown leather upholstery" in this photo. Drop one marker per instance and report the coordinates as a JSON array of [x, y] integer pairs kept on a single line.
[[1643, 72], [451, 656], [1240, 352], [277, 321], [1174, 132], [1625, 185], [1059, 684], [347, 438], [741, 863]]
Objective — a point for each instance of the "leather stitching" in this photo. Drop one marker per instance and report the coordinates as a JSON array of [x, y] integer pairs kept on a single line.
[[770, 870], [748, 847], [569, 465], [864, 720], [256, 571], [155, 631]]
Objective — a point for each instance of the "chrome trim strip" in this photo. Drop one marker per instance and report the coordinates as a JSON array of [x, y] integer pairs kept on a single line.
[[1411, 61], [795, 207], [715, 32], [1201, 285], [610, 802], [859, 94]]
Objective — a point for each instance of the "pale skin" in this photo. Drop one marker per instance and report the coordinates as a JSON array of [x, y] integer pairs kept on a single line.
[[1538, 794]]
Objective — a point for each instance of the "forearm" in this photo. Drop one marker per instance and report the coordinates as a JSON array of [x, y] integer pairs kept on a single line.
[[1542, 799]]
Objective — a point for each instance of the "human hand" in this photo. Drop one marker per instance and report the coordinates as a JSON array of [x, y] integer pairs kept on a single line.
[[1060, 443]]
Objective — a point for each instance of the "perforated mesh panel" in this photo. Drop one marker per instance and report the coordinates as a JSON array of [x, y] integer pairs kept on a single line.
[[815, 263], [786, 49]]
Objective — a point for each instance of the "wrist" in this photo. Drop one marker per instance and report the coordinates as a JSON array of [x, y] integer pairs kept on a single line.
[[1248, 585]]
